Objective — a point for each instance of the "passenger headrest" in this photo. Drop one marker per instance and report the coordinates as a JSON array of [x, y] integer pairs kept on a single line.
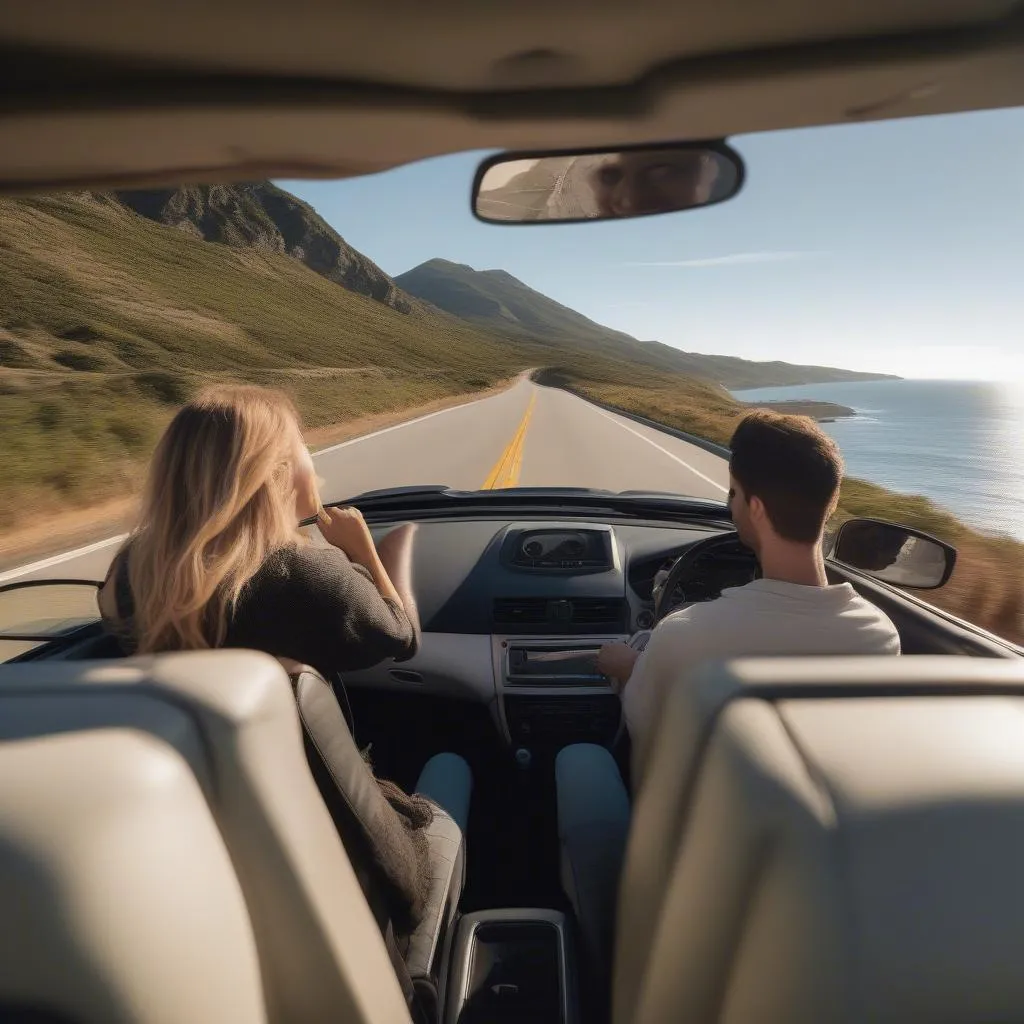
[[165, 854], [829, 840]]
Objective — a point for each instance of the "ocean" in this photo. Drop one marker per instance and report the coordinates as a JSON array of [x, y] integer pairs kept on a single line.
[[960, 443]]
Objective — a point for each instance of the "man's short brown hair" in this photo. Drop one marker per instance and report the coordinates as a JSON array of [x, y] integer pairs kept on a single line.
[[793, 466]]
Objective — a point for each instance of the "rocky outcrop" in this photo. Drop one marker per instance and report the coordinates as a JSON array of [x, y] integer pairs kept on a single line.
[[262, 216]]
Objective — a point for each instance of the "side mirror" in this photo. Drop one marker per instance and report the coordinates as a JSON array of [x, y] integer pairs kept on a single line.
[[608, 184], [33, 612], [894, 554]]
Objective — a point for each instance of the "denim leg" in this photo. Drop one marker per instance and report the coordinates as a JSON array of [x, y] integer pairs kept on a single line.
[[447, 780], [593, 824]]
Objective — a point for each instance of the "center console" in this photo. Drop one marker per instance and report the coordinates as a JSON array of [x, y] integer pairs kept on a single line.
[[514, 966], [550, 691], [556, 596]]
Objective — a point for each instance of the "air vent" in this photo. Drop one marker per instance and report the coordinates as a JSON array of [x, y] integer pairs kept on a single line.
[[536, 611], [513, 611], [593, 610], [525, 562]]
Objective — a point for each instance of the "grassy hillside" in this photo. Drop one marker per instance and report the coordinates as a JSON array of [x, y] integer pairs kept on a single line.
[[495, 299], [986, 585], [109, 321]]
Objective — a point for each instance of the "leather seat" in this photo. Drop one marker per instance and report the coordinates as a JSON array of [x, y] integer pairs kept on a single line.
[[165, 855], [829, 840], [360, 812]]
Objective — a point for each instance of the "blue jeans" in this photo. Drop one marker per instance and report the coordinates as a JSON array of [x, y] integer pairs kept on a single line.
[[593, 824], [447, 780]]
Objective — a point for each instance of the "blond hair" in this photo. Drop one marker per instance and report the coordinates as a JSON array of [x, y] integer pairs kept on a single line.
[[219, 499]]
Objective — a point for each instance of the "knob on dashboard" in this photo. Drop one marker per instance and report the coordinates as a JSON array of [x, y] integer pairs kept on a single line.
[[644, 619], [533, 549]]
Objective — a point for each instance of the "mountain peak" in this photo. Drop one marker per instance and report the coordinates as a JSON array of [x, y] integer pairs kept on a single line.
[[443, 264], [496, 299]]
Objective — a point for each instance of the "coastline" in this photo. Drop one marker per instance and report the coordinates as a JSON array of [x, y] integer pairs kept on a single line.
[[823, 412]]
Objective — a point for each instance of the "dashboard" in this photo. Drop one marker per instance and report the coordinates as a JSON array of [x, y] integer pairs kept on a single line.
[[514, 611]]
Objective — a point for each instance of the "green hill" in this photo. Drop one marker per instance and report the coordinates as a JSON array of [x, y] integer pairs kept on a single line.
[[497, 300]]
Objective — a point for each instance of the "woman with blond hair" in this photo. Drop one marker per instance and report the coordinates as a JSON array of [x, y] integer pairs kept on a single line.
[[218, 560]]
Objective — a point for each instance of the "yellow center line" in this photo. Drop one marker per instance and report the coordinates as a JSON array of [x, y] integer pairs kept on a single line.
[[507, 468]]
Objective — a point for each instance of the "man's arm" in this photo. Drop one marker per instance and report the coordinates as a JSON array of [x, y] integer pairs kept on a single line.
[[668, 648]]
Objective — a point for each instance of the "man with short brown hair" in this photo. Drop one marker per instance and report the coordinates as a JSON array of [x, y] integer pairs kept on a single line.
[[784, 477], [784, 484], [789, 466]]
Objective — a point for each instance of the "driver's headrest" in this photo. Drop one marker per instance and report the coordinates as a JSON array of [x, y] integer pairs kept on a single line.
[[829, 840], [165, 855]]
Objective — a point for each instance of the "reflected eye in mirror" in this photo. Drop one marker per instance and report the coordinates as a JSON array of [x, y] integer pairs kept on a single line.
[[894, 554], [567, 187]]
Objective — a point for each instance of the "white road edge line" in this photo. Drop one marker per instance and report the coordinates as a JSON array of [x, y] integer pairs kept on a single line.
[[66, 556], [24, 570], [664, 451]]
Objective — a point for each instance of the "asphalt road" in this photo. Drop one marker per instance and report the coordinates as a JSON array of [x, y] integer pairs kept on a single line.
[[528, 436], [559, 189]]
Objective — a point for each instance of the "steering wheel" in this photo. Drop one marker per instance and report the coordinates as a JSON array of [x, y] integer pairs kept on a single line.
[[683, 568]]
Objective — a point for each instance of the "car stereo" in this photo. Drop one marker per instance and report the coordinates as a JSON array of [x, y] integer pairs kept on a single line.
[[551, 663]]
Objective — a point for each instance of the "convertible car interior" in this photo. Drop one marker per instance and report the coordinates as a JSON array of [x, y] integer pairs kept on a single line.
[[189, 837], [513, 612]]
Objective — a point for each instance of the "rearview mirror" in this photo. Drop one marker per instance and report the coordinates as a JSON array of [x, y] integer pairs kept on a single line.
[[522, 188], [894, 554]]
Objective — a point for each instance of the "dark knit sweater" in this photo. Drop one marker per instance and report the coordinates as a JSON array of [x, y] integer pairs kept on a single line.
[[307, 603]]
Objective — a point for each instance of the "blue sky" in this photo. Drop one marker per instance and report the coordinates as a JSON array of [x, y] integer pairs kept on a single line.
[[895, 247]]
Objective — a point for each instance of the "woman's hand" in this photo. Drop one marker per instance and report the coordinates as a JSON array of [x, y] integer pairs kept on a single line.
[[346, 529]]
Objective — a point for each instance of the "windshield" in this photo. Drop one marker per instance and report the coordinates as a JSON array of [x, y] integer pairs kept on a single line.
[[866, 275]]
